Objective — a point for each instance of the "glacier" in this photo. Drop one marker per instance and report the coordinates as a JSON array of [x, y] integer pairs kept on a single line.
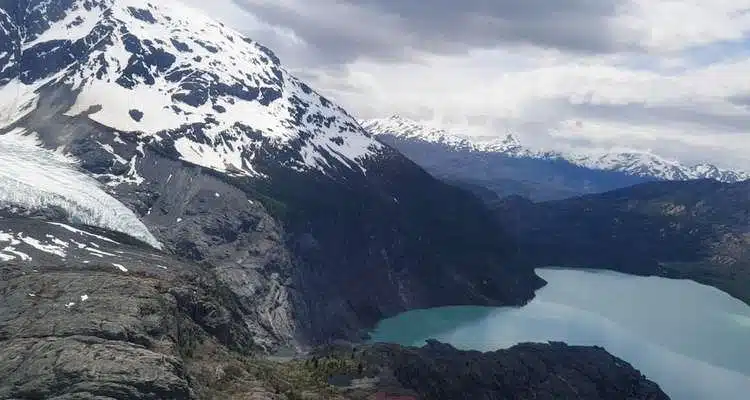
[[35, 178]]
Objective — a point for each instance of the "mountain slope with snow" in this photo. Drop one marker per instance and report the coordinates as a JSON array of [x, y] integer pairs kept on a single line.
[[167, 77], [641, 164], [154, 116], [177, 78]]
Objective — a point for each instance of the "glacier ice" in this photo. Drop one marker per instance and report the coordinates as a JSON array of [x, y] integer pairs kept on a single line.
[[35, 178]]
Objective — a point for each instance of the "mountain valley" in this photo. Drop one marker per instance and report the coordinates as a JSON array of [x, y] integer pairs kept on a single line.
[[176, 206], [182, 217]]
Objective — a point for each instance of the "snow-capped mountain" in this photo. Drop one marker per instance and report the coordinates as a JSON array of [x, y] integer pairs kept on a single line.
[[174, 76], [150, 119], [642, 164], [165, 76], [410, 129], [650, 165]]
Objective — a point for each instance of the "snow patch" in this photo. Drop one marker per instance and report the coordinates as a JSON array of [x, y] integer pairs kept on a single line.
[[47, 248], [74, 26], [99, 253], [11, 252], [120, 267]]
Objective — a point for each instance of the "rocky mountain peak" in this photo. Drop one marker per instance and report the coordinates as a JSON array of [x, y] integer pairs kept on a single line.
[[175, 78]]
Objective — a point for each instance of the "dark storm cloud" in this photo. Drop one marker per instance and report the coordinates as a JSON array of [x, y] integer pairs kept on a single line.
[[579, 25], [394, 29]]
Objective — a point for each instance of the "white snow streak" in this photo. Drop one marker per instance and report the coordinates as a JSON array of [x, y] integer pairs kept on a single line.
[[73, 27], [80, 232], [10, 243], [120, 267], [99, 253]]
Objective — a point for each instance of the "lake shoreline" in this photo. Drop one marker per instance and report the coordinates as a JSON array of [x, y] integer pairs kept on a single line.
[[651, 329]]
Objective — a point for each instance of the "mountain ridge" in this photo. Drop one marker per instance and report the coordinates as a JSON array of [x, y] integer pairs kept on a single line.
[[697, 230], [198, 98], [640, 164]]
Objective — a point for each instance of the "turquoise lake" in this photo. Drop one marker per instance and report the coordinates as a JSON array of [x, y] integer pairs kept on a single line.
[[692, 339]]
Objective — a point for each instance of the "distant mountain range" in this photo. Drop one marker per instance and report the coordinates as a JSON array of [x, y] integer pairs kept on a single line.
[[506, 167]]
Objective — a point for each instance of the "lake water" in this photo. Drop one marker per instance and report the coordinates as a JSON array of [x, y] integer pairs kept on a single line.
[[693, 340]]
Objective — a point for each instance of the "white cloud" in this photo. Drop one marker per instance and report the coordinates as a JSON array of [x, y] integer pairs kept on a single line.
[[674, 80], [673, 25]]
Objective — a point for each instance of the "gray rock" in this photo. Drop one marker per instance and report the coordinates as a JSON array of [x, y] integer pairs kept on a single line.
[[79, 327]]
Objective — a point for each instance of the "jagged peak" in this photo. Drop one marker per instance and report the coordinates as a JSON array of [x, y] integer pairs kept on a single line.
[[168, 72]]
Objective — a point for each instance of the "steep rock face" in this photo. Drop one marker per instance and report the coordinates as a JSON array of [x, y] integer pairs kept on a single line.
[[698, 230], [506, 167], [227, 159]]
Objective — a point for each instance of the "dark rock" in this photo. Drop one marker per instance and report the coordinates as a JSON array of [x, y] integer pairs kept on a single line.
[[143, 15], [526, 371], [137, 115], [183, 47], [80, 327]]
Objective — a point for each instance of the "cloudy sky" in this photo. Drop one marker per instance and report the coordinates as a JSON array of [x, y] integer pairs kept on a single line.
[[668, 76]]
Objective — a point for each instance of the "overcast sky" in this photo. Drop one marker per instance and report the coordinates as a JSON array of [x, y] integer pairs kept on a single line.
[[672, 77]]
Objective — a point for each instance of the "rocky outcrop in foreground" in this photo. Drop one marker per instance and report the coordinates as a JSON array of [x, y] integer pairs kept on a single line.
[[88, 314]]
